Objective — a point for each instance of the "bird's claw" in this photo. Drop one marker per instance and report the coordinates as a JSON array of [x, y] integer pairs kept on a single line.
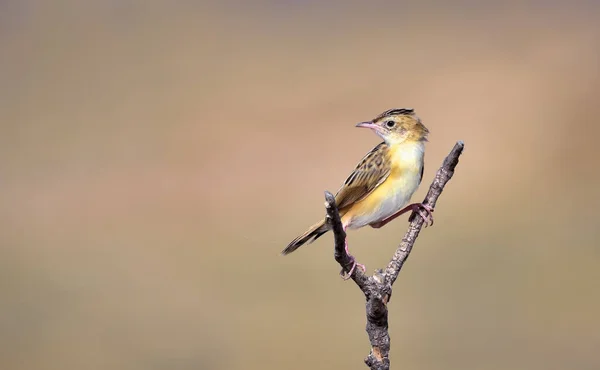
[[354, 263], [427, 216], [354, 266]]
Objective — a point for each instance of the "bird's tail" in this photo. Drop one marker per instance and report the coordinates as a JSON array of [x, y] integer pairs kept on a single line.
[[309, 236]]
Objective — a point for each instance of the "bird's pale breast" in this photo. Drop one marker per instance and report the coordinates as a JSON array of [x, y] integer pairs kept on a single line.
[[395, 192]]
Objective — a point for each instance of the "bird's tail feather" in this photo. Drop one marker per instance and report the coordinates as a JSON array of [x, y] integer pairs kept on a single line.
[[308, 236]]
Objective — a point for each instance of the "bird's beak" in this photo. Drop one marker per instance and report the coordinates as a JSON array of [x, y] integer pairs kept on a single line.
[[370, 125]]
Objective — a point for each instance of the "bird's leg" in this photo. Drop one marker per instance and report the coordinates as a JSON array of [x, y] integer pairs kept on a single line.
[[354, 263], [425, 211]]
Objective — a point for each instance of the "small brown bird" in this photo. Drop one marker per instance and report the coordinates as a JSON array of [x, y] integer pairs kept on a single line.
[[384, 180]]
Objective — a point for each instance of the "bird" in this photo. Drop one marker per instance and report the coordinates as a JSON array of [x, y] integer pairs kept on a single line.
[[381, 185]]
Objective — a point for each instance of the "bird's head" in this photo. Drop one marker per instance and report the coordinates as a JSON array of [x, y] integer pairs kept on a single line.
[[397, 125]]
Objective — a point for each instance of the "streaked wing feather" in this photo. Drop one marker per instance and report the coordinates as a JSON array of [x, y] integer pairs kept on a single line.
[[370, 172]]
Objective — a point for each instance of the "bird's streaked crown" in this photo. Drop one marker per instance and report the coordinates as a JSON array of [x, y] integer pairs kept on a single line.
[[398, 125]]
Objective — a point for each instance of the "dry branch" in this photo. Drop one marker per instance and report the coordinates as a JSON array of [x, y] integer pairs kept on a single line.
[[378, 288]]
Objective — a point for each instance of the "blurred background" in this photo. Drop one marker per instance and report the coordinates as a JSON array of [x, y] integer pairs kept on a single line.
[[155, 158]]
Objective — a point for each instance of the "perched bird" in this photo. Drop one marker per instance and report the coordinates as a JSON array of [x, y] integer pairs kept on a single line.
[[383, 181]]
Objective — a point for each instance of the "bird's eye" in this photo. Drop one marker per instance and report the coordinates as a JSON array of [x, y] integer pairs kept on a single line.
[[390, 124]]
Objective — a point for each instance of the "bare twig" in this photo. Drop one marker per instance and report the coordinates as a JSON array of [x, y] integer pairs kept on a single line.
[[339, 236], [378, 288]]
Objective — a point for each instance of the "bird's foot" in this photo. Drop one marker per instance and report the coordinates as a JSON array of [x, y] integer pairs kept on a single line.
[[425, 211], [354, 266]]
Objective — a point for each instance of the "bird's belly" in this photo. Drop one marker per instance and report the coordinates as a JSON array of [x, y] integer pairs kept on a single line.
[[383, 202]]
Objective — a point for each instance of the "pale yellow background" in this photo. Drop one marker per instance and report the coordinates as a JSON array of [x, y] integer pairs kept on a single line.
[[156, 157]]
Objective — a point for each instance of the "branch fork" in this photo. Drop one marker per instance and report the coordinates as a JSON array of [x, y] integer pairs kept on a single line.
[[378, 287]]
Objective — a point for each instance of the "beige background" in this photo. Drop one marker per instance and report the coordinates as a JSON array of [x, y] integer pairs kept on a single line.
[[155, 158]]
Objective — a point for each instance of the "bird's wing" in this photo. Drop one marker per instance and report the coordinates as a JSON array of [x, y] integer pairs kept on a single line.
[[371, 172]]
